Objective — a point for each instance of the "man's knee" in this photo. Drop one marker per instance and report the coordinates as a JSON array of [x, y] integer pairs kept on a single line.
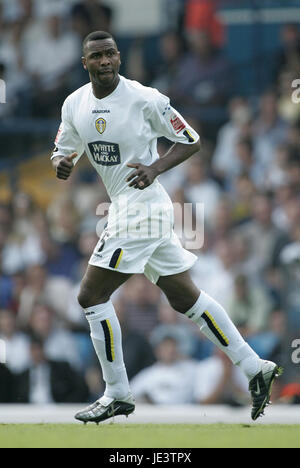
[[88, 297], [182, 299], [181, 303]]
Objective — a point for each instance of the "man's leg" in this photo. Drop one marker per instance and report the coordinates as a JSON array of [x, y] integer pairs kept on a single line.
[[97, 287], [216, 325], [212, 319]]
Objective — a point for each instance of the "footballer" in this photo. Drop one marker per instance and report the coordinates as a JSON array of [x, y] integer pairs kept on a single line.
[[116, 122]]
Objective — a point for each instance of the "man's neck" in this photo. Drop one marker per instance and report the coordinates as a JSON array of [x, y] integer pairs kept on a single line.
[[101, 93]]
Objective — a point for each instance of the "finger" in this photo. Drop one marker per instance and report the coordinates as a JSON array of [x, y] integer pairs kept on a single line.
[[64, 168], [63, 172], [62, 177], [134, 174], [137, 183], [72, 156], [140, 180], [65, 163], [134, 166]]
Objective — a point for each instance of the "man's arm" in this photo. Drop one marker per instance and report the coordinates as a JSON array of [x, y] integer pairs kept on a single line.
[[63, 165], [143, 176]]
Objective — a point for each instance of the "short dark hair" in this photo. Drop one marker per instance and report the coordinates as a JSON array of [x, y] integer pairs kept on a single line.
[[96, 36]]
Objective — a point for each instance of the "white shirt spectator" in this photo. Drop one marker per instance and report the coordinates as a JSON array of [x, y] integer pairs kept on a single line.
[[166, 384], [209, 374], [17, 352], [51, 56]]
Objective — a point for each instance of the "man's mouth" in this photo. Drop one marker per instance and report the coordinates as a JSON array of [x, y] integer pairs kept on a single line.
[[105, 72]]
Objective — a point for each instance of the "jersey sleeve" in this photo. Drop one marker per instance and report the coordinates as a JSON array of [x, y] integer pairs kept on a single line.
[[167, 122], [67, 140]]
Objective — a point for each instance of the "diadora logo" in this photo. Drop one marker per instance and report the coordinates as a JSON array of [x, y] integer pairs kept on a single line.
[[101, 111], [105, 153], [100, 125]]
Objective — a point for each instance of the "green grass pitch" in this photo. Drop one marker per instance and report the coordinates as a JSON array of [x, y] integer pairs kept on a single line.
[[148, 435]]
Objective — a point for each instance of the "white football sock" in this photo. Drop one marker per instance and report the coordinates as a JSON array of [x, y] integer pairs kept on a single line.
[[107, 340], [218, 328]]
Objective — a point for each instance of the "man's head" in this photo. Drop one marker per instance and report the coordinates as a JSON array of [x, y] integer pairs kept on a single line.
[[101, 58]]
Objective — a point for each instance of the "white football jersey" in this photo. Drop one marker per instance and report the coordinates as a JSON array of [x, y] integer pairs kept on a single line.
[[119, 129]]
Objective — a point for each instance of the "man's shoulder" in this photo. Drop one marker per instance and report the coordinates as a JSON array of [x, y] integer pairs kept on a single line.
[[78, 93], [141, 91]]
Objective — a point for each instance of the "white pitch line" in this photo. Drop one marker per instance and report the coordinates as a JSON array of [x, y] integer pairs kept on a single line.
[[147, 414]]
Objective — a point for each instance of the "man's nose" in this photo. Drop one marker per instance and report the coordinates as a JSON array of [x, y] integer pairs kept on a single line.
[[104, 61]]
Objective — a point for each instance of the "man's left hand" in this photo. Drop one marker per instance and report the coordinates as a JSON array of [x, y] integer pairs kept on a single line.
[[142, 177]]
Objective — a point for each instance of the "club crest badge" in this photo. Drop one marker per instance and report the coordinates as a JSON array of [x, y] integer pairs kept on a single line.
[[101, 125]]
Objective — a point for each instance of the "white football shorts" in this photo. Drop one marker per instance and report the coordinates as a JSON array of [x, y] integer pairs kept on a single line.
[[152, 257]]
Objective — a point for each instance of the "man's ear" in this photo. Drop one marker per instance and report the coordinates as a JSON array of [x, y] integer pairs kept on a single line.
[[83, 60]]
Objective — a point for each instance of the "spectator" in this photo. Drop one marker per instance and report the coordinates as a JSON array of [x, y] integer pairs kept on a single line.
[[199, 186], [173, 14], [19, 250], [288, 57], [48, 381], [6, 283], [223, 222], [59, 343], [13, 70], [247, 162], [138, 353], [289, 260], [170, 380], [203, 77], [250, 307], [41, 288], [244, 191], [6, 384], [222, 284], [16, 342], [140, 299], [276, 175], [171, 48], [94, 14], [262, 236], [269, 131], [171, 323], [201, 15], [217, 381], [225, 162], [61, 48]]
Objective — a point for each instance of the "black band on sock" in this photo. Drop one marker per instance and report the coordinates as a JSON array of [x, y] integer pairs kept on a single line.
[[108, 342], [215, 330]]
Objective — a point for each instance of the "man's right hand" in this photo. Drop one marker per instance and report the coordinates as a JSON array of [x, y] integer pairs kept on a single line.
[[64, 166]]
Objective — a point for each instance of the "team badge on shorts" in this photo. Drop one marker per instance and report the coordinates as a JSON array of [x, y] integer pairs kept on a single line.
[[100, 125]]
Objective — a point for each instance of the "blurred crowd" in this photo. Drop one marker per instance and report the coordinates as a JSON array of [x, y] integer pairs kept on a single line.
[[248, 179]]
